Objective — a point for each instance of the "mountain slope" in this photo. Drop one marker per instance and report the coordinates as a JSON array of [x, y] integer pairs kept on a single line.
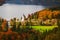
[[47, 13]]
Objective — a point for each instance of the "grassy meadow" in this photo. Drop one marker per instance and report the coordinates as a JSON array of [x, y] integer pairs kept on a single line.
[[43, 28]]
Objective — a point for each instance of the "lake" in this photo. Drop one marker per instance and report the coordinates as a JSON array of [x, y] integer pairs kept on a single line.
[[9, 11]]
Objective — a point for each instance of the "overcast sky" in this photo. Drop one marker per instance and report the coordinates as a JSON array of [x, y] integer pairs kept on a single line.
[[16, 8]]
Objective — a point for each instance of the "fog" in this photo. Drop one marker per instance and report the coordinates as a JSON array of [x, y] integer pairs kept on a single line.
[[9, 11]]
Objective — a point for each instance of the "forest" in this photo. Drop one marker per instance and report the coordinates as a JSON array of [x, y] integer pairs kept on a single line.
[[16, 29]]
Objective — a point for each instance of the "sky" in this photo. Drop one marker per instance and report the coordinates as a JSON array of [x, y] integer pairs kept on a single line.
[[16, 8], [35, 2]]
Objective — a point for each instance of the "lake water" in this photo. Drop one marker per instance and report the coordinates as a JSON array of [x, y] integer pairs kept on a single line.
[[9, 11]]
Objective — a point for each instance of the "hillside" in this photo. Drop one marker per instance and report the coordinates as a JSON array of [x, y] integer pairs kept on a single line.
[[22, 31], [45, 13], [47, 16], [49, 13]]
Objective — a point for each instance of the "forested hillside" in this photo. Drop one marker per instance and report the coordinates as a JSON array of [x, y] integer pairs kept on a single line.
[[22, 30], [46, 16]]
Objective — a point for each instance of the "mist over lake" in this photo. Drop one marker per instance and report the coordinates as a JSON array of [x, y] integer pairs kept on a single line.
[[8, 11]]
